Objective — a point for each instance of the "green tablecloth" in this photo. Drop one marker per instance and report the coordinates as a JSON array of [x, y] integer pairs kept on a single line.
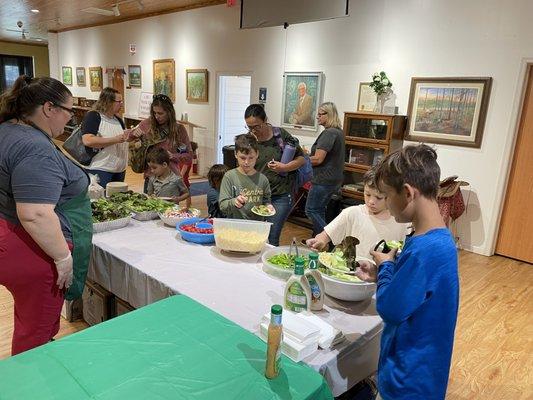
[[172, 349]]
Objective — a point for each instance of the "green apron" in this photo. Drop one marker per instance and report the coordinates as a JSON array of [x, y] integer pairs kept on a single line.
[[78, 213]]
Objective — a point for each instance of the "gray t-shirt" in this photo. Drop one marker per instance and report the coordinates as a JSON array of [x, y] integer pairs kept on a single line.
[[331, 171], [171, 186], [32, 170]]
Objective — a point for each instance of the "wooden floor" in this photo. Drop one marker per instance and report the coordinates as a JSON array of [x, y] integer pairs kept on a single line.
[[493, 353]]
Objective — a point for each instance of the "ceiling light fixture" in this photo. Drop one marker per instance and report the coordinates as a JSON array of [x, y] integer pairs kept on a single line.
[[35, 11], [116, 11]]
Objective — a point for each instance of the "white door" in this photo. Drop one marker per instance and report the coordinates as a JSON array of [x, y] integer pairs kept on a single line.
[[234, 93]]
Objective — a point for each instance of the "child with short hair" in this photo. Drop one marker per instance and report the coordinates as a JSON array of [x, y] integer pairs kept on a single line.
[[214, 176], [418, 292], [369, 222], [243, 187], [162, 181]]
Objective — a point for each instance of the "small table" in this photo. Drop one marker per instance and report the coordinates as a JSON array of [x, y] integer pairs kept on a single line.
[[172, 349]]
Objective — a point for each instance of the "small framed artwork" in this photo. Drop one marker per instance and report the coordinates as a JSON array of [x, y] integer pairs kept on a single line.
[[134, 76], [164, 77], [197, 85], [302, 94], [80, 76], [366, 102], [448, 110], [95, 79], [67, 75]]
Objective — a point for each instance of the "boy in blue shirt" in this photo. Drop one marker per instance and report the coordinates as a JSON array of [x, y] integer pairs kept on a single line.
[[417, 292]]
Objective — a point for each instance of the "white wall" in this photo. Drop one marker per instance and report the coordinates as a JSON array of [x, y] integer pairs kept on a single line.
[[404, 38]]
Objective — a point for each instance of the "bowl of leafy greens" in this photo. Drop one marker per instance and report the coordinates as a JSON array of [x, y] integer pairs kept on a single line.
[[143, 207], [278, 262]]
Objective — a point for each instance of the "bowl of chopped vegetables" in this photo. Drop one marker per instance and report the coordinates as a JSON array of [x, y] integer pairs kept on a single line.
[[341, 285], [174, 215], [196, 230], [279, 263]]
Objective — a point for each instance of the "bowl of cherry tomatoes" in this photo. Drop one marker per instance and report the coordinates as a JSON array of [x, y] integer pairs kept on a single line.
[[196, 230]]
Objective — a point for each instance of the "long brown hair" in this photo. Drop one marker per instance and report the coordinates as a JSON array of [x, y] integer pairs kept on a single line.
[[106, 100], [27, 94], [165, 103]]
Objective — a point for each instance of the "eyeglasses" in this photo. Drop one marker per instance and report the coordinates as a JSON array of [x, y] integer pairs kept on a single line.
[[253, 128], [118, 101], [322, 113], [69, 110]]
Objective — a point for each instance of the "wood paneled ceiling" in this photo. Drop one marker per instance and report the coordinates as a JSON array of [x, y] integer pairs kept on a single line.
[[64, 15]]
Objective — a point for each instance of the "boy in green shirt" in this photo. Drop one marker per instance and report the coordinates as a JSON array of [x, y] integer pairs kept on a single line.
[[243, 188]]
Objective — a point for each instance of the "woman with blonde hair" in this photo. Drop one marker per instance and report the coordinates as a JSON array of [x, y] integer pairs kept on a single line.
[[327, 158], [103, 129]]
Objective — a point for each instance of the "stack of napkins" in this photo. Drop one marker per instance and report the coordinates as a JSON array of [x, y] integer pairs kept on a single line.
[[303, 333]]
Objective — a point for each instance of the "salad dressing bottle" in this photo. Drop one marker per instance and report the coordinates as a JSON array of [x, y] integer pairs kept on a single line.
[[315, 283], [274, 338], [297, 290]]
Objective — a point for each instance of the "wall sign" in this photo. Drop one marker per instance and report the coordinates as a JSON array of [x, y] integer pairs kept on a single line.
[[145, 101]]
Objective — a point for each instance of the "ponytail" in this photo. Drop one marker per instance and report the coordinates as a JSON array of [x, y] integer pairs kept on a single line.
[[27, 94]]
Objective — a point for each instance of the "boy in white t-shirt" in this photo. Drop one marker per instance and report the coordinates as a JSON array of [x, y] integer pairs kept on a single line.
[[369, 222]]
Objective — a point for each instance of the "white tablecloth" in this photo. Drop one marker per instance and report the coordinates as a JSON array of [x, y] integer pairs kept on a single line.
[[147, 261]]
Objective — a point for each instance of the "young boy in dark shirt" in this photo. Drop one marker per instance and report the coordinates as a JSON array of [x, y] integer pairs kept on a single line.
[[418, 291]]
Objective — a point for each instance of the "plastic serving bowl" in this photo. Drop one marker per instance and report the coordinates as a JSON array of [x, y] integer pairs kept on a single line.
[[174, 221], [348, 291], [275, 270], [240, 235], [201, 238]]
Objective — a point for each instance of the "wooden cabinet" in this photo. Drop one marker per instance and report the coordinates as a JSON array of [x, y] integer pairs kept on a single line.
[[368, 138]]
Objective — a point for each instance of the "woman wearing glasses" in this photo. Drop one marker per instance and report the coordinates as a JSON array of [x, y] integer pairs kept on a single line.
[[162, 130], [44, 210], [327, 158], [103, 129], [272, 140]]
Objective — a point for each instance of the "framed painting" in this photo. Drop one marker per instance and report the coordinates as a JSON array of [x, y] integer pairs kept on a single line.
[[302, 94], [448, 110], [134, 76], [197, 85], [164, 77], [366, 101], [95, 79], [80, 76], [66, 72]]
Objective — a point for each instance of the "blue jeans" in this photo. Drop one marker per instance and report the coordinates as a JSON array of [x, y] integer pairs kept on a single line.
[[317, 201], [106, 177], [282, 203]]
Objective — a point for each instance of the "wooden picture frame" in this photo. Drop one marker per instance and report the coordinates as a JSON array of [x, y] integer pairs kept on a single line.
[[134, 76], [66, 74], [95, 79], [366, 100], [164, 77], [448, 110], [197, 90], [301, 97], [80, 76]]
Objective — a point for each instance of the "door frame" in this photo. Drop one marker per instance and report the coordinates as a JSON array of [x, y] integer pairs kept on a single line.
[[217, 94], [526, 68]]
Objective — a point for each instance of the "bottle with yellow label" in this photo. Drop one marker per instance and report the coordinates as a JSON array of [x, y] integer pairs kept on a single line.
[[316, 283], [274, 339], [297, 290]]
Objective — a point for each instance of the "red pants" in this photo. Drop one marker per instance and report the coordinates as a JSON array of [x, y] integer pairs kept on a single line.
[[30, 275]]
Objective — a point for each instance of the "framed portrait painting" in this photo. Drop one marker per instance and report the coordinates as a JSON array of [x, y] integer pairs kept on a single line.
[[448, 110], [95, 79], [164, 77], [302, 94], [197, 85], [134, 76], [67, 75], [80, 76]]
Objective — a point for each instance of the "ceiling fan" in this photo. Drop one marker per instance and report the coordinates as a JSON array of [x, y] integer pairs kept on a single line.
[[114, 11], [24, 33]]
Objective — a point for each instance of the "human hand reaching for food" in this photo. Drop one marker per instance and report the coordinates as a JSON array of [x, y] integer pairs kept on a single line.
[[240, 201], [316, 244], [367, 271], [380, 258]]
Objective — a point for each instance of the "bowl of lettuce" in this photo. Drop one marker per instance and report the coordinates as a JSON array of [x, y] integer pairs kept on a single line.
[[341, 285], [277, 261]]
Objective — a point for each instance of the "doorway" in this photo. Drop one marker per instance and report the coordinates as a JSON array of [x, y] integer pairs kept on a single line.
[[514, 237], [11, 67], [234, 94]]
